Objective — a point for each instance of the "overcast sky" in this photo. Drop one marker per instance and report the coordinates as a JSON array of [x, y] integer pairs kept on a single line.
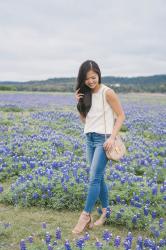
[[41, 39]]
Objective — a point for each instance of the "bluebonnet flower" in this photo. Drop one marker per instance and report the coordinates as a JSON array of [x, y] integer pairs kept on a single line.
[[29, 177], [6, 225], [30, 239], [161, 223], [146, 211], [47, 238], [154, 213], [99, 245], [142, 193], [58, 234], [162, 242], [50, 247], [147, 202], [117, 241], [64, 187], [80, 243], [138, 204], [140, 242], [162, 189], [154, 190], [44, 225], [154, 231], [150, 244], [22, 245], [107, 235], [136, 198], [129, 236], [44, 196], [49, 193], [108, 212], [118, 215], [67, 245], [138, 215], [118, 198], [23, 166], [138, 247], [54, 243], [127, 244], [134, 219], [35, 195], [128, 241], [123, 180], [32, 164], [157, 233], [122, 210], [86, 236], [132, 202]]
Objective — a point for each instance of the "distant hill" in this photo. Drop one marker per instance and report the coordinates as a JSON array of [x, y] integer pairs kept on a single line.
[[156, 83]]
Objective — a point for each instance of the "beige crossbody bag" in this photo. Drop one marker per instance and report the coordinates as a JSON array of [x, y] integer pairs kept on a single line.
[[118, 150]]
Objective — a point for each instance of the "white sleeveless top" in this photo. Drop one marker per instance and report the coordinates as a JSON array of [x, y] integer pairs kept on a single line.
[[94, 121]]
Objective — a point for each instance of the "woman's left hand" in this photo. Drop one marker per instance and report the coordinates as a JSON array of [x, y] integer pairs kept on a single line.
[[108, 143]]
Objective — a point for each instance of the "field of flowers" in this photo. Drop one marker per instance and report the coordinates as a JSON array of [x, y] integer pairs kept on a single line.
[[43, 164]]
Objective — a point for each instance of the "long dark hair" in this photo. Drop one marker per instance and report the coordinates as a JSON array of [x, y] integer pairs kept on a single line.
[[85, 103]]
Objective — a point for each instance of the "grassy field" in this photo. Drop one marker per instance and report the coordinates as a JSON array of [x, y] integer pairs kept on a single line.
[[28, 221], [31, 123]]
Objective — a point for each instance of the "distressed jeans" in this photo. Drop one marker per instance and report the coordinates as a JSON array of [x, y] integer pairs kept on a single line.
[[97, 160]]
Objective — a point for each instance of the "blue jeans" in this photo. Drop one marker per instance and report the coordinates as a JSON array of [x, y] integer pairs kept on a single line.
[[97, 160]]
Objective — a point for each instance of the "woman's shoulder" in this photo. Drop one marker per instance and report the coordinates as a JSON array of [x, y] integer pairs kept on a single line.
[[107, 89]]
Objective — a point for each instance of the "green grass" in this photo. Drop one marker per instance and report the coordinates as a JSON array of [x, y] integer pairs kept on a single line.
[[27, 221], [11, 109]]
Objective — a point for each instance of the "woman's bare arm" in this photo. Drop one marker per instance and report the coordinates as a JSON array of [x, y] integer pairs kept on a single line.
[[114, 102]]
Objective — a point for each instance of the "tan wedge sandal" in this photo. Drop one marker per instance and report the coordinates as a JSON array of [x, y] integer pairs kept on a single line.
[[102, 218], [85, 222]]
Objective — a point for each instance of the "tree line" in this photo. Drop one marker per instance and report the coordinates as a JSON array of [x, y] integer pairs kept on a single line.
[[153, 84]]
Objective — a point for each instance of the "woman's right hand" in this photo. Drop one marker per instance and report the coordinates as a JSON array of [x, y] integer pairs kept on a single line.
[[78, 95]]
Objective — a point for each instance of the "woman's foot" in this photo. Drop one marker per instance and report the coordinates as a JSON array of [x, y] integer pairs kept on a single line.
[[102, 218], [84, 222]]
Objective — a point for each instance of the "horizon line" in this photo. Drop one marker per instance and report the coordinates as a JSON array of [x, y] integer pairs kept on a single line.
[[69, 77]]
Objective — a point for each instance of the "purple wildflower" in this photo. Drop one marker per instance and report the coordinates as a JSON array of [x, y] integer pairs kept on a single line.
[[118, 215], [47, 238], [146, 211], [54, 243], [80, 243], [67, 245], [99, 245], [22, 245], [162, 242], [44, 225], [30, 239], [117, 241], [108, 212], [50, 247], [107, 235], [154, 214], [140, 242], [134, 219], [118, 198], [86, 236], [161, 223], [58, 234], [1, 189], [128, 241]]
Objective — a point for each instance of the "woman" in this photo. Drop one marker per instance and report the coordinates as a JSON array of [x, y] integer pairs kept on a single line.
[[90, 94]]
